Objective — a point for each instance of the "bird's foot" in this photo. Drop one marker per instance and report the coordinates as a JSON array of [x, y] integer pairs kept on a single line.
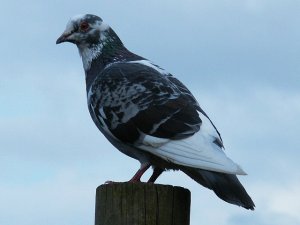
[[111, 182], [108, 182], [134, 180], [137, 176], [118, 182]]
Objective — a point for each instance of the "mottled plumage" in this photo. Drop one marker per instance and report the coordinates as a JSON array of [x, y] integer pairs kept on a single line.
[[148, 114]]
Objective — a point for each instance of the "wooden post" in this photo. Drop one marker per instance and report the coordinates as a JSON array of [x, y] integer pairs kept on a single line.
[[142, 204]]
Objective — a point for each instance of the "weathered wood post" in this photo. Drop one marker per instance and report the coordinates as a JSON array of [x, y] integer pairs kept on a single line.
[[142, 204]]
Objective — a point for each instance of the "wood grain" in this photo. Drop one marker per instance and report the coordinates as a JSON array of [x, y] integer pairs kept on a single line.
[[142, 204]]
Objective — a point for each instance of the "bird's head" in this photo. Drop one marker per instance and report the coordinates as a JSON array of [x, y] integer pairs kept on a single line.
[[91, 35], [84, 30]]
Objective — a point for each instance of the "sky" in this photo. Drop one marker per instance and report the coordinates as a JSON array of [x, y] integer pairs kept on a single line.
[[240, 58]]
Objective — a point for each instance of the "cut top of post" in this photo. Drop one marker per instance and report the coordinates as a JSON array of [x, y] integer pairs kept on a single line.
[[142, 204]]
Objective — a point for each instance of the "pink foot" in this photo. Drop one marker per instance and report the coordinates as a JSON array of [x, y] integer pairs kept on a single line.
[[137, 176]]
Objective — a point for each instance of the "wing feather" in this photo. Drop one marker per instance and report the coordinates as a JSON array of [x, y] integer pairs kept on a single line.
[[197, 151]]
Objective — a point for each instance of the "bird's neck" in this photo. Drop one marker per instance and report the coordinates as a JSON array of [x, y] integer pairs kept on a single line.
[[108, 44], [97, 57]]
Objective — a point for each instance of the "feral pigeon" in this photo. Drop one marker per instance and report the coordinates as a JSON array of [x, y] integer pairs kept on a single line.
[[148, 114]]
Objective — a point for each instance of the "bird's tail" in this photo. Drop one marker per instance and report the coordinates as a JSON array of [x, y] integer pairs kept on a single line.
[[226, 186]]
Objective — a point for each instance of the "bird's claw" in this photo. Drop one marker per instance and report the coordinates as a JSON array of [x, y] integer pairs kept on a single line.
[[110, 182]]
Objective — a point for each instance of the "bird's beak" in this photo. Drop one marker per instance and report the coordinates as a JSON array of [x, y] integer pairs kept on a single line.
[[64, 38]]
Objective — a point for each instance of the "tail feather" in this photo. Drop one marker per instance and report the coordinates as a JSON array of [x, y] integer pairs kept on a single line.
[[226, 186]]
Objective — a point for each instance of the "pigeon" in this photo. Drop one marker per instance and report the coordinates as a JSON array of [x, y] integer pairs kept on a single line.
[[148, 114]]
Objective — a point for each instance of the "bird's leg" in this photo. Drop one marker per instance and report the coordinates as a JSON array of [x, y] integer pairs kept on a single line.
[[137, 176], [156, 173]]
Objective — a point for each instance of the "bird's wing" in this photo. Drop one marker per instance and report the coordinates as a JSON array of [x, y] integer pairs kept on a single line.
[[142, 106]]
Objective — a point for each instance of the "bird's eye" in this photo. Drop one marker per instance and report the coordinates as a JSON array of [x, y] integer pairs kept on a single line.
[[84, 26]]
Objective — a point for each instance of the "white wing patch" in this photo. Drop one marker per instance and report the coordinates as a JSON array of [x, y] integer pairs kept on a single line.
[[198, 151], [154, 141], [151, 65]]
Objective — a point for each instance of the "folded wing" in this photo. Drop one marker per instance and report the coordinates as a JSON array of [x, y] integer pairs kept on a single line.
[[154, 112]]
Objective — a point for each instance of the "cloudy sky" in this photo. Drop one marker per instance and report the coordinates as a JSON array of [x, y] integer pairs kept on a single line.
[[240, 58]]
